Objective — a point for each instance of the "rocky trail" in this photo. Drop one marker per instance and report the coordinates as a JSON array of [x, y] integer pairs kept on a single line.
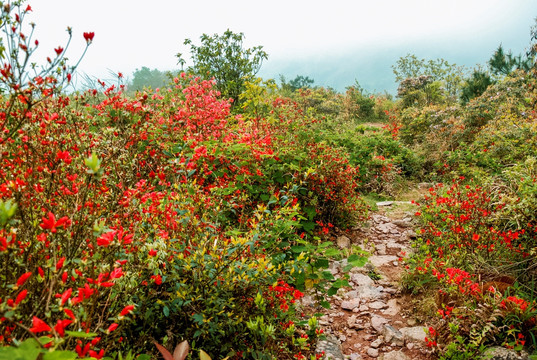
[[374, 319]]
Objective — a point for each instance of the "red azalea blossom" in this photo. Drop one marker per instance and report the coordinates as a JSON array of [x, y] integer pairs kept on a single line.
[[39, 325], [112, 327], [126, 310], [88, 36], [21, 296], [50, 223], [22, 279]]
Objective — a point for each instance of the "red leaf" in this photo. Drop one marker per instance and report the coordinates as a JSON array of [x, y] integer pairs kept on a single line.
[[181, 351], [165, 353]]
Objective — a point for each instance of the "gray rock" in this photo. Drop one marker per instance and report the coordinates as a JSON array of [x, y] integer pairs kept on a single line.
[[386, 228], [351, 294], [378, 219], [393, 308], [385, 203], [373, 352], [351, 321], [376, 344], [415, 334], [500, 353], [394, 355], [393, 336], [331, 347], [380, 260], [377, 305], [307, 300], [343, 242], [361, 280], [350, 304], [370, 292], [402, 223], [377, 322], [356, 356]]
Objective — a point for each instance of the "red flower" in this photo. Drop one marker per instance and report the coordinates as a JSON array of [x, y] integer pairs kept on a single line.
[[88, 36], [59, 265], [51, 223], [157, 279], [66, 295], [58, 50], [21, 296], [69, 313], [126, 310], [22, 279], [112, 327], [39, 325], [475, 237], [61, 325]]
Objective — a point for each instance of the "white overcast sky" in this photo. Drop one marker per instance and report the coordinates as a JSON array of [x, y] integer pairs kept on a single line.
[[131, 34]]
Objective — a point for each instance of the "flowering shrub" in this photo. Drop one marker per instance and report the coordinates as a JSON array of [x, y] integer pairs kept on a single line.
[[128, 219], [462, 240]]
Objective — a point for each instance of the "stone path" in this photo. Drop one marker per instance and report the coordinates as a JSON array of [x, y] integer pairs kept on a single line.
[[373, 320]]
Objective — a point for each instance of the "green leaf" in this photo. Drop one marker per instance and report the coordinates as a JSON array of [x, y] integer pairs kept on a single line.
[[299, 248], [327, 275], [308, 225], [332, 291], [325, 304], [198, 318], [331, 252], [356, 260], [80, 334], [310, 211], [29, 349], [166, 311], [321, 263], [60, 355]]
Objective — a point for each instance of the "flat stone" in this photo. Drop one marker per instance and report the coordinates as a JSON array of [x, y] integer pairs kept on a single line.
[[351, 321], [376, 344], [373, 352], [500, 353], [415, 334], [393, 336], [380, 260], [377, 322], [385, 203], [307, 300], [351, 294], [343, 242], [361, 280], [370, 292], [380, 218], [386, 228], [393, 308], [350, 304], [331, 347], [402, 223], [355, 356], [377, 305], [394, 355]]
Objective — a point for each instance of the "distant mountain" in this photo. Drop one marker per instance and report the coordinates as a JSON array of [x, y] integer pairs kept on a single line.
[[371, 67]]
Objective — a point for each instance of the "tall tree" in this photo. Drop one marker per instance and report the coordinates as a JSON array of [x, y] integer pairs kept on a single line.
[[502, 63], [225, 58], [450, 75], [146, 77]]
